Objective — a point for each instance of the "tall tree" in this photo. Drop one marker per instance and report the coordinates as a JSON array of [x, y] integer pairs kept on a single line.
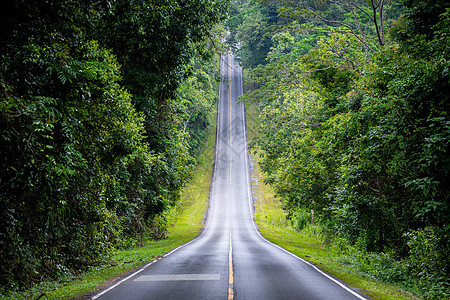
[[93, 140], [364, 142], [366, 21]]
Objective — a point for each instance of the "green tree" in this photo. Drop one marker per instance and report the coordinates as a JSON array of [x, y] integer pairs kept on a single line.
[[364, 142], [366, 21], [251, 27], [97, 134]]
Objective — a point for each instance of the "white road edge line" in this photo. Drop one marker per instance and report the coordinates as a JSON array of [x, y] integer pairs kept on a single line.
[[250, 198]]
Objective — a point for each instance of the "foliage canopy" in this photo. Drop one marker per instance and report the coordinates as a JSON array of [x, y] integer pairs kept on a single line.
[[362, 140], [104, 107]]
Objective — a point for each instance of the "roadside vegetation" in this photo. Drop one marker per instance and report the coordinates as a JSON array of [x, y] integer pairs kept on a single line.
[[184, 223], [353, 133], [312, 242], [104, 109]]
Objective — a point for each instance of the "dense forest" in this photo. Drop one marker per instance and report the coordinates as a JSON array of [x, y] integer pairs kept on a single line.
[[354, 111], [104, 108]]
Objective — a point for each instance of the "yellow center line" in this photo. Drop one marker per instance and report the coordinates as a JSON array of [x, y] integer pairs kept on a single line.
[[230, 254], [230, 272]]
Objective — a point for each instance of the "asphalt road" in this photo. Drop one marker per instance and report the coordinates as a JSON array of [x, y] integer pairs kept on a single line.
[[230, 259]]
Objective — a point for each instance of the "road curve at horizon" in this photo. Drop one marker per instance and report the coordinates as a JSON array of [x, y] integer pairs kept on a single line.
[[230, 259]]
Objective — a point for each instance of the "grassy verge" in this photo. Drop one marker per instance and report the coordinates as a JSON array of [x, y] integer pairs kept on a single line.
[[184, 224], [272, 223]]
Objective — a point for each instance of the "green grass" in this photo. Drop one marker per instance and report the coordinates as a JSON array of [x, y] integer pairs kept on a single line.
[[273, 225], [184, 224]]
